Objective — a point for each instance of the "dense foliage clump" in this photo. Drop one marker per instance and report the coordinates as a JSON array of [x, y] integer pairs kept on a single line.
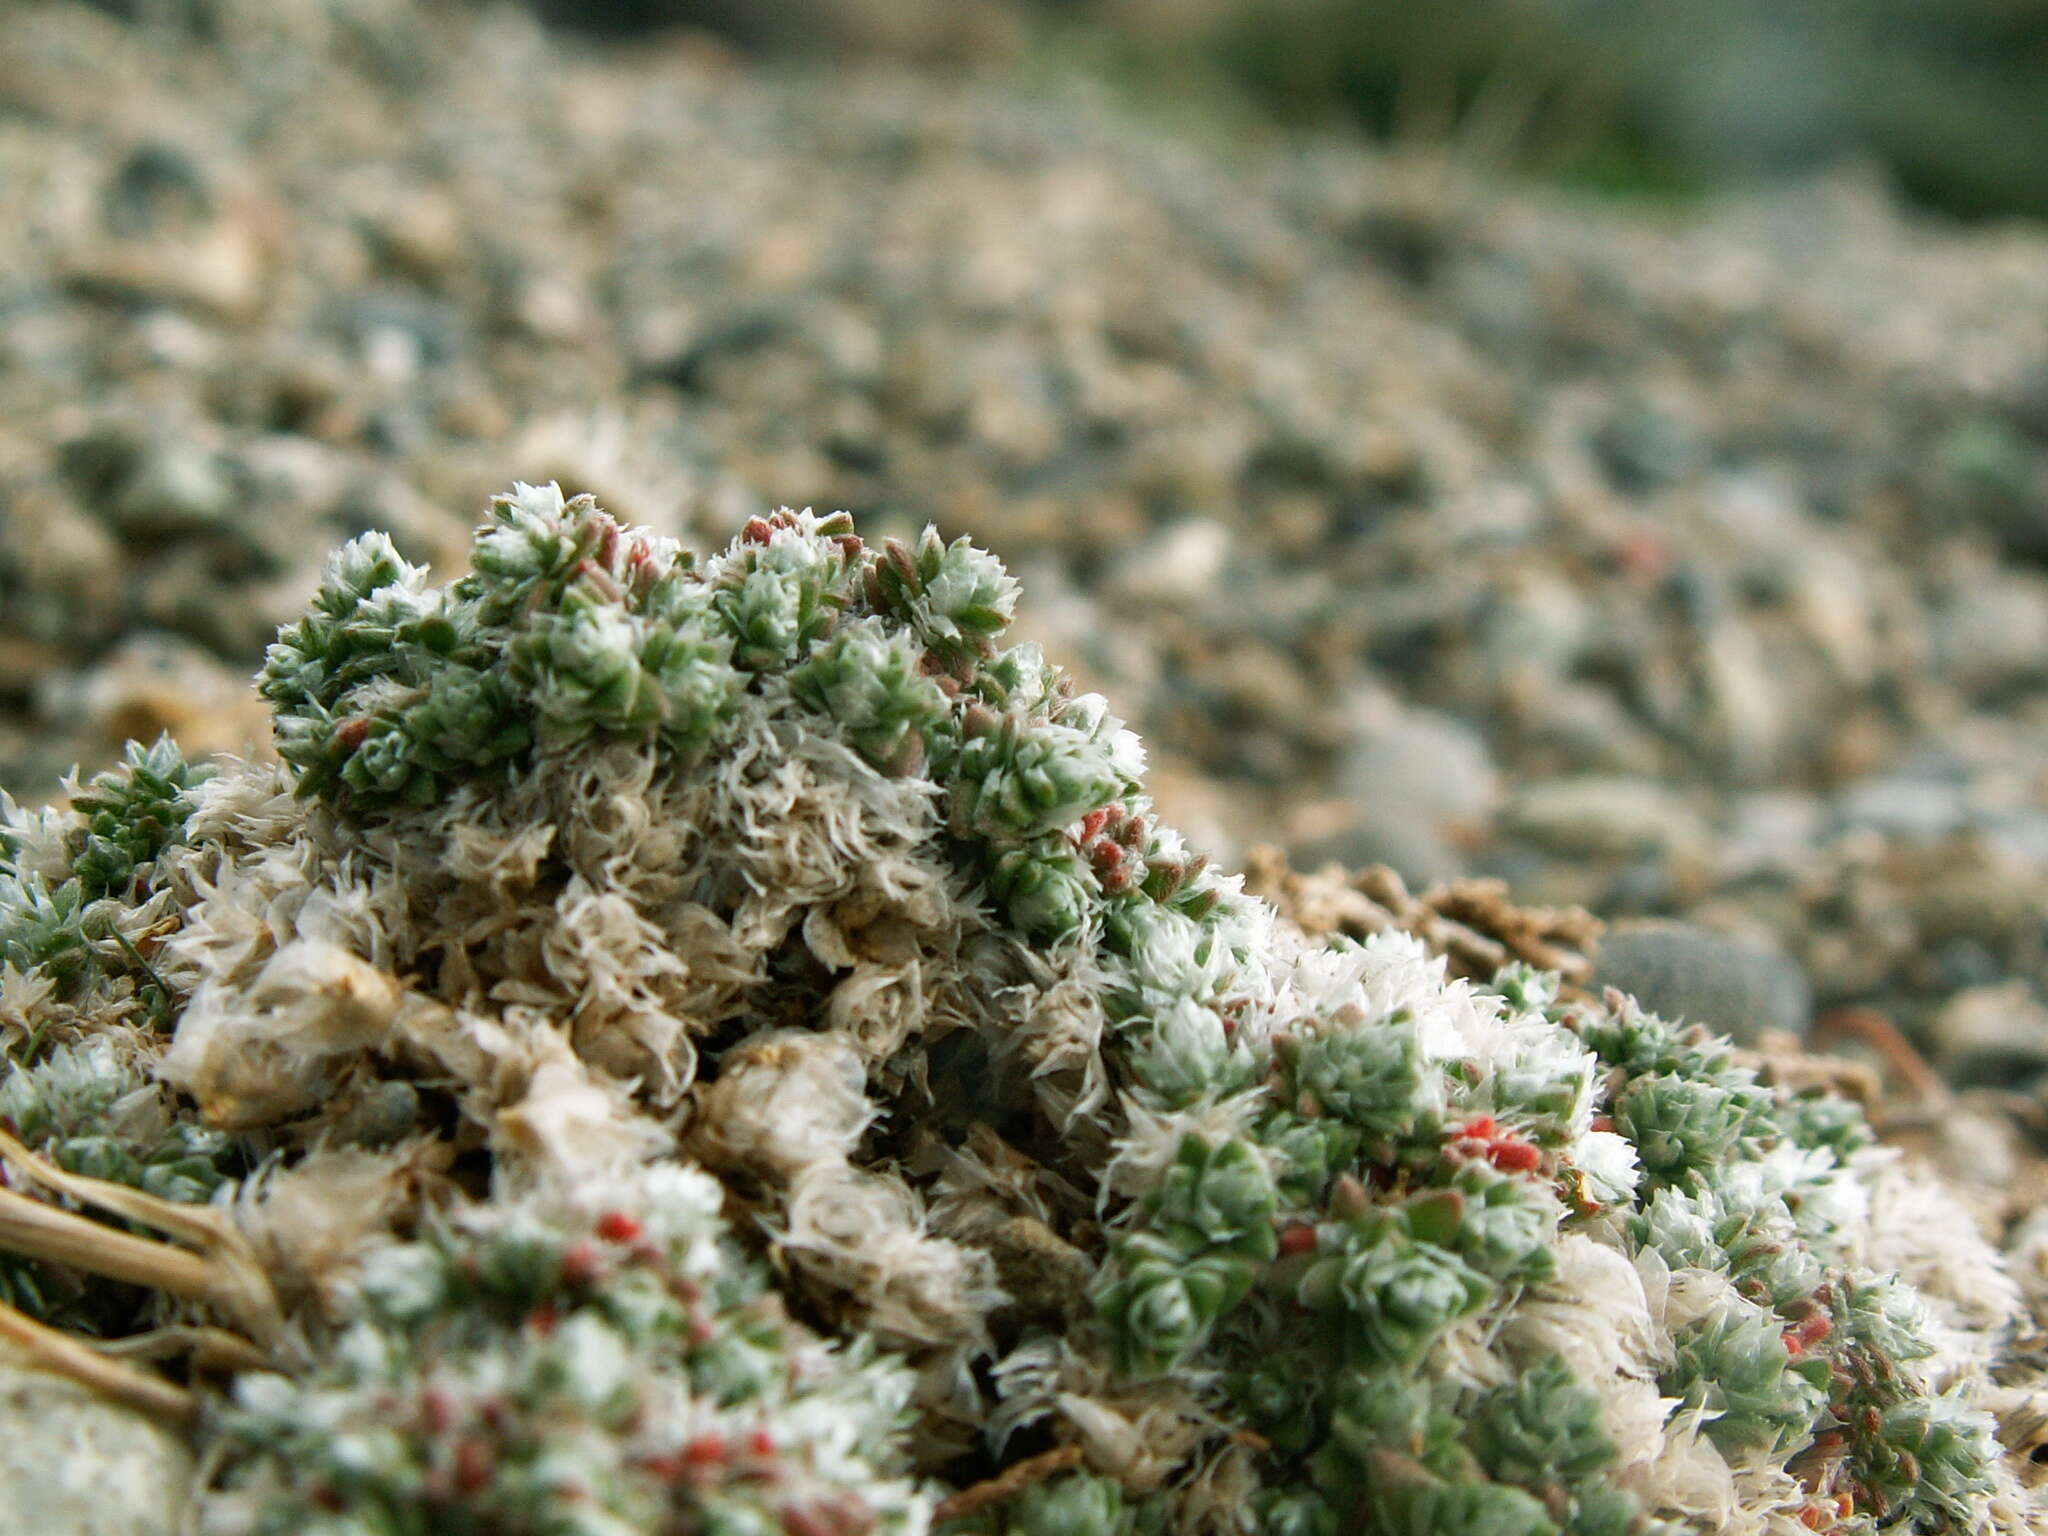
[[736, 1051]]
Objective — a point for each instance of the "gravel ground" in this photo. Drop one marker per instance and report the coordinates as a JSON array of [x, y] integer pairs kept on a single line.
[[1680, 564]]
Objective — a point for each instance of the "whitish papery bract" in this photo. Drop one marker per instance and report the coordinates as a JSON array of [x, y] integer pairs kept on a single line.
[[726, 1048]]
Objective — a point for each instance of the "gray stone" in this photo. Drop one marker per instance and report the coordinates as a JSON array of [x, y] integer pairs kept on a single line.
[[1411, 847], [1584, 729], [1769, 832], [1993, 637], [1995, 1035], [1177, 565], [1425, 763], [1914, 808], [176, 488], [2022, 837], [1422, 784], [1684, 972], [1601, 816], [74, 1464]]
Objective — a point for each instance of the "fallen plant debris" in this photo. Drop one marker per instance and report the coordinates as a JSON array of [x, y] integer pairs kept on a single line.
[[1471, 923], [726, 1046]]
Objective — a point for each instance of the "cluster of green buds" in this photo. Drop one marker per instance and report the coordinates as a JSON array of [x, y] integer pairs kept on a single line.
[[570, 627], [873, 681], [567, 627], [1804, 1357], [541, 1365], [1416, 1171], [1019, 777], [72, 881], [956, 598], [1388, 1290], [1352, 1215], [1734, 1362], [1410, 1456], [91, 1108], [1377, 1081], [1211, 1226], [1895, 1453]]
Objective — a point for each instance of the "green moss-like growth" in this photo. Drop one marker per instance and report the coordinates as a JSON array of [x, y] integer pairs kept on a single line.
[[769, 1069]]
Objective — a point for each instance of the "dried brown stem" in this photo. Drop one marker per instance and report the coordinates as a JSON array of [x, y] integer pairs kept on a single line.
[[213, 1349], [38, 1231], [1892, 1047], [234, 1280], [1470, 922], [1008, 1483], [48, 1350]]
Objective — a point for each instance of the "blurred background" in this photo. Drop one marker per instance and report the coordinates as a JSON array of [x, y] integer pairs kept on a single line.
[[1657, 98], [1600, 445]]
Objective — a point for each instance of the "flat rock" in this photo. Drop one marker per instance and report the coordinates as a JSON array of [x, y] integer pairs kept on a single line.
[[1685, 972], [74, 1464], [1602, 816], [1992, 1036]]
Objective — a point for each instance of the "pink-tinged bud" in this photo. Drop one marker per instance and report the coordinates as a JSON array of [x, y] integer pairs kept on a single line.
[[978, 720], [758, 531], [908, 759], [617, 1227], [1299, 1238], [1514, 1157], [472, 1466], [1348, 1198], [351, 734], [579, 1264], [704, 1452], [600, 578], [844, 1514], [436, 1412]]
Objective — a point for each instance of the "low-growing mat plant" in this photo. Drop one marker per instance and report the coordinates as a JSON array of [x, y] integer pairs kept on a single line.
[[727, 1047]]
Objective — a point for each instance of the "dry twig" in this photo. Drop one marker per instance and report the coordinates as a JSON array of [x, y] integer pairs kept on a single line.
[[49, 1350], [1009, 1482], [225, 1273]]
